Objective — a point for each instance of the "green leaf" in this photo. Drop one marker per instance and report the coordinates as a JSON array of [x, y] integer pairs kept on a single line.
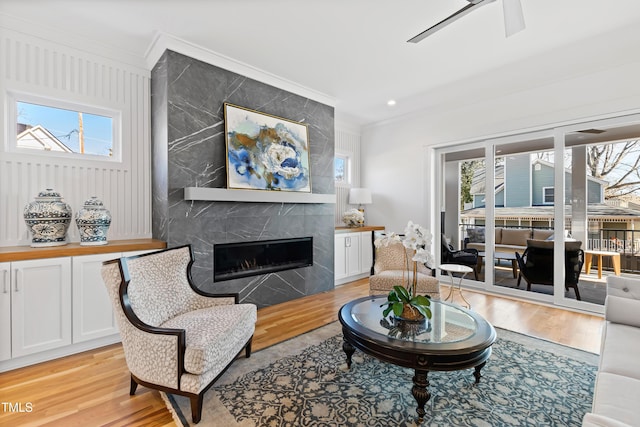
[[421, 300], [397, 308], [402, 293], [424, 311], [387, 310], [393, 297]]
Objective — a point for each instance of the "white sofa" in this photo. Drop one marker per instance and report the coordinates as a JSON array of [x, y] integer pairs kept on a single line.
[[616, 398]]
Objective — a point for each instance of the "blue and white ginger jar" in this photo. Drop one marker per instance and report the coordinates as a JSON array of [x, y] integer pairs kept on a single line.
[[48, 219], [93, 222]]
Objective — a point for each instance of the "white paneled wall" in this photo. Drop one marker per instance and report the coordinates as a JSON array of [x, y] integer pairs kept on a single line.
[[40, 67], [347, 142]]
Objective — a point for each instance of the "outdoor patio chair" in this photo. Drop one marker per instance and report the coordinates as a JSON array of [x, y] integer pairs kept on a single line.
[[536, 264], [468, 257]]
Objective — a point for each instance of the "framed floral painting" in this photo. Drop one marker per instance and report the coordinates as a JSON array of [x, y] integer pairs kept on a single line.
[[265, 152]]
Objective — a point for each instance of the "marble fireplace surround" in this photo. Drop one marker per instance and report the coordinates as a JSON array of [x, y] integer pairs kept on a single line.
[[190, 201]]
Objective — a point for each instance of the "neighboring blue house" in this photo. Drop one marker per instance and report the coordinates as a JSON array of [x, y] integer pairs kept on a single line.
[[524, 196], [535, 188]]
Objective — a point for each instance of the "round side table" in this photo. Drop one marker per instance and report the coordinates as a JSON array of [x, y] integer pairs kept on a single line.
[[456, 268]]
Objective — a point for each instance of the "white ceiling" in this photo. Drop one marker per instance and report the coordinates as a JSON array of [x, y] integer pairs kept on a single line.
[[355, 51]]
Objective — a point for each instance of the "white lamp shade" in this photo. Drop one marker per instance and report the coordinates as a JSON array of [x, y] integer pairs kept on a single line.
[[359, 196]]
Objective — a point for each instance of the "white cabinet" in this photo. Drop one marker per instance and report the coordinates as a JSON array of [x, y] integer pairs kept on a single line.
[[5, 311], [92, 309], [340, 256], [353, 256], [53, 307], [40, 305], [347, 258], [92, 313]]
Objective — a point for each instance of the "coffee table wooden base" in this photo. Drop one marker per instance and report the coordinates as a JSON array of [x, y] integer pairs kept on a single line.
[[420, 393], [457, 339]]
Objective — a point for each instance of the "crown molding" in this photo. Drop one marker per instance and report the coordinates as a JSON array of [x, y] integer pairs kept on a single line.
[[163, 41]]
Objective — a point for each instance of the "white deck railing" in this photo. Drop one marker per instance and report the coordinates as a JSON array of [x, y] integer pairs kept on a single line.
[[614, 245]]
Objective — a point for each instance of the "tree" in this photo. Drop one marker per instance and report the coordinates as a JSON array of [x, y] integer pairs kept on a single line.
[[467, 170], [616, 163]]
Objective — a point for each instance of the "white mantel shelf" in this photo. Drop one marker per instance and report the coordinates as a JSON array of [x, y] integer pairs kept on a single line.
[[225, 195]]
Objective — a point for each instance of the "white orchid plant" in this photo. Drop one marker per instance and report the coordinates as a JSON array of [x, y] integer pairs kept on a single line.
[[418, 239], [415, 237]]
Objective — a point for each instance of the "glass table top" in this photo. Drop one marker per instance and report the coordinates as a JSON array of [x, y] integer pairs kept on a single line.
[[448, 324]]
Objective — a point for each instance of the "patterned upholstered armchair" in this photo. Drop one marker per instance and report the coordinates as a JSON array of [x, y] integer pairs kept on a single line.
[[176, 338], [390, 269]]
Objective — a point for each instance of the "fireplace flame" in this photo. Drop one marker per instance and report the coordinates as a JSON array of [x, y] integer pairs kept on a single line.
[[248, 264]]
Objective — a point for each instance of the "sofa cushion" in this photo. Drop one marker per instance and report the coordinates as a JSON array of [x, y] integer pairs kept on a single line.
[[515, 236], [215, 335], [595, 420], [622, 310], [543, 234], [476, 234], [626, 287], [616, 396], [620, 349], [550, 244]]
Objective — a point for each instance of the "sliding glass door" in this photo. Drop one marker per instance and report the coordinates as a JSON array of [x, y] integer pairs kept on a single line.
[[603, 158], [551, 213], [462, 203]]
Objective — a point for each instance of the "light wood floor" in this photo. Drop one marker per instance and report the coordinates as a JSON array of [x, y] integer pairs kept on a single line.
[[92, 388]]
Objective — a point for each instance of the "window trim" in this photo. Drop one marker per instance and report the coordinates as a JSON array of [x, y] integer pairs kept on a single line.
[[544, 195], [11, 142], [347, 182]]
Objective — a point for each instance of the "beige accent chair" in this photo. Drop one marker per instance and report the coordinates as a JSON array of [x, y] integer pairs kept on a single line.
[[390, 269], [176, 338]]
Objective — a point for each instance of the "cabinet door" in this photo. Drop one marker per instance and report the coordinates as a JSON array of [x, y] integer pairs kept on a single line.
[[40, 305], [340, 254], [366, 252], [5, 311], [353, 254], [92, 311]]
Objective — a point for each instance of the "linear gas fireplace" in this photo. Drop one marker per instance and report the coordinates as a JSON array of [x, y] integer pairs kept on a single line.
[[243, 259]]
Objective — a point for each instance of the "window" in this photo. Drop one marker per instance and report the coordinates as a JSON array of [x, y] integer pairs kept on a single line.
[[341, 169], [547, 195], [56, 128]]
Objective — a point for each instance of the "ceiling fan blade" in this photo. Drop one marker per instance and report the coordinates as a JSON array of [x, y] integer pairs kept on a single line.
[[473, 4], [513, 17]]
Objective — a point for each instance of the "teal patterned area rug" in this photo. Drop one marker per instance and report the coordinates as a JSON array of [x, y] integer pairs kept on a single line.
[[305, 382]]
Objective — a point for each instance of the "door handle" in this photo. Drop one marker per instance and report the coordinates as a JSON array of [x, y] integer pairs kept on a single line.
[[18, 277], [4, 282]]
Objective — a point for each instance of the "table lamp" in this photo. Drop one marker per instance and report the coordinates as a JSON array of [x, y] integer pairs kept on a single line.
[[360, 196]]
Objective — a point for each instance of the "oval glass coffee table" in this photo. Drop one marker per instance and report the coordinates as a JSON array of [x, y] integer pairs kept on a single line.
[[453, 339]]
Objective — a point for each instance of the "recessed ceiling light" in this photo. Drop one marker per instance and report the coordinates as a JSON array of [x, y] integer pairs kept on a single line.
[[391, 102]]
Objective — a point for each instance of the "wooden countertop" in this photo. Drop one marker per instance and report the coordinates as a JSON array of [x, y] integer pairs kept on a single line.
[[21, 253], [359, 229]]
